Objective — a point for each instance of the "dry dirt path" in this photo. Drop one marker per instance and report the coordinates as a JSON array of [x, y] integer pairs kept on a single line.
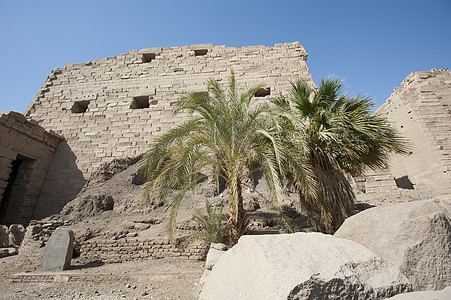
[[152, 279]]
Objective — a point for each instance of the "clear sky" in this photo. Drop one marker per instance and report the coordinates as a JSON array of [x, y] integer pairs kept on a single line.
[[374, 45]]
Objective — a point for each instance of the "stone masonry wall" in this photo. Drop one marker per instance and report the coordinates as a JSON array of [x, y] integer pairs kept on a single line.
[[113, 107], [117, 249], [421, 110], [138, 249], [26, 150]]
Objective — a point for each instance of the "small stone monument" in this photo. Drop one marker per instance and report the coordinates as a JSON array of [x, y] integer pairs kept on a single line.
[[16, 234], [58, 250], [4, 236]]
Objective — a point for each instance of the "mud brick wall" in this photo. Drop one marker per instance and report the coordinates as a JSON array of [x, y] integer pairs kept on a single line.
[[26, 150], [118, 251], [421, 110], [115, 106]]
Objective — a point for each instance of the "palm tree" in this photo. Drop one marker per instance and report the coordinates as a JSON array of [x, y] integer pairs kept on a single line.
[[342, 137], [226, 137]]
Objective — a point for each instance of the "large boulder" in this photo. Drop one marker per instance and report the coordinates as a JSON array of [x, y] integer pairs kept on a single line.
[[301, 266], [444, 294], [415, 237]]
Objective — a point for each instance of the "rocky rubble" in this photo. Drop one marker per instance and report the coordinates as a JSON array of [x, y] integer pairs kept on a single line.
[[11, 239]]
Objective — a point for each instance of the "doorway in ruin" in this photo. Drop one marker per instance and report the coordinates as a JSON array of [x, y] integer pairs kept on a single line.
[[15, 205]]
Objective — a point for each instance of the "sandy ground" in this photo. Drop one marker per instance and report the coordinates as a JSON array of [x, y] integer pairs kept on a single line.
[[152, 279]]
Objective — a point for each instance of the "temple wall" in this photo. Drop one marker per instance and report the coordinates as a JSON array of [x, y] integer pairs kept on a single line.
[[114, 107], [421, 110], [26, 150]]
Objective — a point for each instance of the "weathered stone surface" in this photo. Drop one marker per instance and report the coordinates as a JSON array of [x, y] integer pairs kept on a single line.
[[219, 246], [16, 234], [419, 109], [415, 237], [301, 266], [4, 252], [113, 107], [212, 257], [58, 250], [12, 251], [26, 150], [444, 294], [215, 252], [4, 236], [89, 205]]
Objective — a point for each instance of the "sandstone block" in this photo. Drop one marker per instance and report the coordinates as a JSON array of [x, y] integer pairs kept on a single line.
[[58, 250], [415, 237], [301, 266], [444, 294]]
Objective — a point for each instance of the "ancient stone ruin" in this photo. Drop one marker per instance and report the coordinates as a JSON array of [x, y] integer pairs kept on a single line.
[[90, 113], [91, 121], [26, 151], [113, 107], [58, 250], [421, 110]]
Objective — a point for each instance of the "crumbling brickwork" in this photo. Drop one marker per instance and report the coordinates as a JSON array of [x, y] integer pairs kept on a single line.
[[26, 150], [135, 249], [421, 110], [114, 107]]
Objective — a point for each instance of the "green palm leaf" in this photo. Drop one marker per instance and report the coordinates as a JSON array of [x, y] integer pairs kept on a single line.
[[340, 135], [227, 137]]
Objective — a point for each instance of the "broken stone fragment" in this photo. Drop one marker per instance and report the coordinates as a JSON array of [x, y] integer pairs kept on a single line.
[[4, 252], [16, 234], [58, 250], [4, 236]]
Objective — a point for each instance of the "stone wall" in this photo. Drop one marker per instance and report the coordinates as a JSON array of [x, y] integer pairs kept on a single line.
[[421, 110], [112, 250], [26, 150], [134, 249], [113, 107]]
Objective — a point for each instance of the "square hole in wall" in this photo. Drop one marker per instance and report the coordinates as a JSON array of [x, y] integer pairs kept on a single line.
[[80, 107], [200, 52], [148, 57], [263, 92], [404, 182], [140, 102]]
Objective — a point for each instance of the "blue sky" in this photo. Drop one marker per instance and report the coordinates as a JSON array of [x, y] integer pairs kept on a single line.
[[374, 45]]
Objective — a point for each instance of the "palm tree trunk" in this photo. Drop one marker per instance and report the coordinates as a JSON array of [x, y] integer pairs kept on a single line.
[[238, 221]]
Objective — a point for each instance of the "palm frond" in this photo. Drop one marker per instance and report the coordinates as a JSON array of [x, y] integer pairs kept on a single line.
[[339, 135]]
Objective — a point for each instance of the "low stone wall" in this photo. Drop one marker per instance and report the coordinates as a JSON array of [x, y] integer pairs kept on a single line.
[[118, 250], [53, 277], [137, 249]]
